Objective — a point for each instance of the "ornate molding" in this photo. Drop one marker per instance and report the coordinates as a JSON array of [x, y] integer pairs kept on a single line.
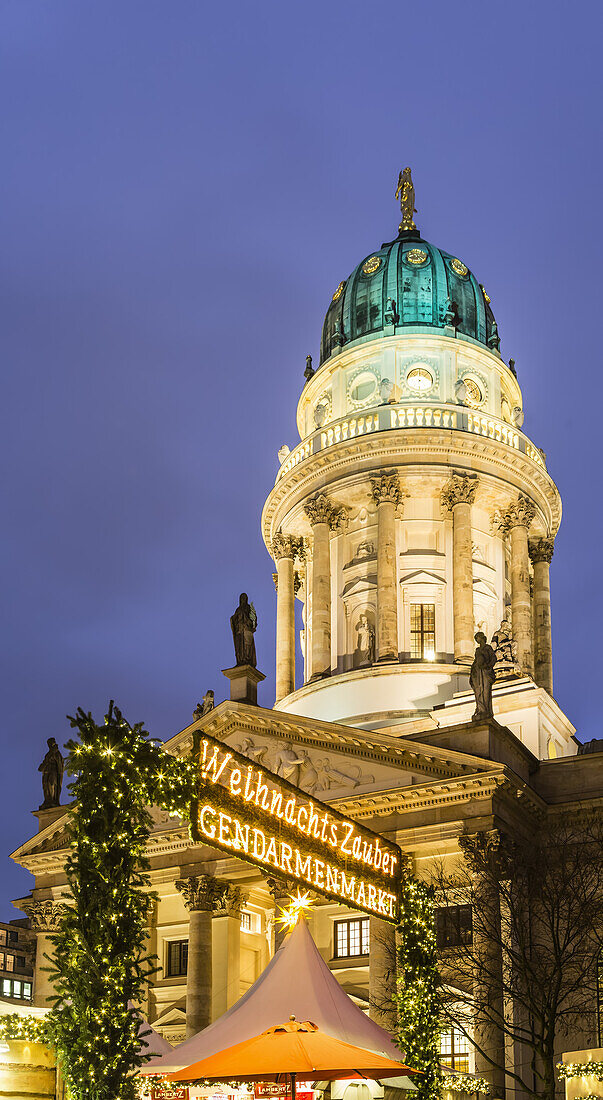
[[541, 549], [319, 509], [519, 514], [45, 916], [230, 901], [200, 892], [385, 488], [459, 489], [287, 546]]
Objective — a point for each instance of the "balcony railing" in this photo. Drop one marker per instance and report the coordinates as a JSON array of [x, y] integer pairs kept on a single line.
[[388, 417]]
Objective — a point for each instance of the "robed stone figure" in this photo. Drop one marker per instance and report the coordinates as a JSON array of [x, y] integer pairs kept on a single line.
[[52, 768], [244, 624], [482, 677]]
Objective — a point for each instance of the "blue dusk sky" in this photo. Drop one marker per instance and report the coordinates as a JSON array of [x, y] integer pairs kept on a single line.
[[184, 184]]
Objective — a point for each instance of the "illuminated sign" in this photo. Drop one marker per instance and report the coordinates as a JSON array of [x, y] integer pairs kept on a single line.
[[244, 809]]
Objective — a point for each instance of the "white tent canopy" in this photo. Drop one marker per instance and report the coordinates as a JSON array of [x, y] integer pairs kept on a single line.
[[296, 981]]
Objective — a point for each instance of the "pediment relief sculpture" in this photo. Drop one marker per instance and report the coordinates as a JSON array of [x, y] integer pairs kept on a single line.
[[310, 772]]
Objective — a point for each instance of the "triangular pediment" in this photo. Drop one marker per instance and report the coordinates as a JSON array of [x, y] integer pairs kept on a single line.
[[422, 576]]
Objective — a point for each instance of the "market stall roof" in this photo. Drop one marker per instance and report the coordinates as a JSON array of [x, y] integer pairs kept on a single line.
[[296, 981]]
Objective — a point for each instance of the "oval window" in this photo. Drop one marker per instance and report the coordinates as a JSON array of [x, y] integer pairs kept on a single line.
[[474, 394], [363, 387], [419, 379]]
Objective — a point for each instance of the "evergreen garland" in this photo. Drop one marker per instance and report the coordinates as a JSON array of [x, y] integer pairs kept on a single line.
[[32, 1029], [417, 996], [101, 964]]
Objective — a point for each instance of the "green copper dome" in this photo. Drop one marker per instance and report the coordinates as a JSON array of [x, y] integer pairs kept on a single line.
[[408, 284]]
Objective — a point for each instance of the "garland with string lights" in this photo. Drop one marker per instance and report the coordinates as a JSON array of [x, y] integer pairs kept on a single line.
[[101, 965], [32, 1029], [417, 997]]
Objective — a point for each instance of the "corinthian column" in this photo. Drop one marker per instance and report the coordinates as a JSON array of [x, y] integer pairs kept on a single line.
[[324, 516], [284, 550], [386, 493], [227, 945], [541, 553], [199, 893], [45, 918], [457, 496], [515, 521]]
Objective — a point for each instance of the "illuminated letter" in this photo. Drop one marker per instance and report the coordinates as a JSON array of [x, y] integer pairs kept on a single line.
[[385, 863], [393, 861], [361, 896], [224, 831], [248, 795], [302, 867], [286, 853], [333, 839], [372, 897], [302, 810], [264, 789], [290, 811], [382, 902], [378, 856], [347, 888], [208, 830], [356, 846], [367, 853], [313, 823], [241, 839], [257, 833], [277, 800], [332, 879], [235, 781], [324, 826], [319, 873], [349, 828], [271, 856]]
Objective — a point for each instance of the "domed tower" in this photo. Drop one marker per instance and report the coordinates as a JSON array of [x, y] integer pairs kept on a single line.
[[414, 511]]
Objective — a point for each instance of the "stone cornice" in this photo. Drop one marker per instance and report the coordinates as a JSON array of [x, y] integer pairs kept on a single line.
[[430, 449]]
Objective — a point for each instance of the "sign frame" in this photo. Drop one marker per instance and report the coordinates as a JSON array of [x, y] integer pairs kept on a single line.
[[242, 807]]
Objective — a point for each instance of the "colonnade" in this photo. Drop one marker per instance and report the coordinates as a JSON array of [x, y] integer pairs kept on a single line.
[[531, 615], [212, 906]]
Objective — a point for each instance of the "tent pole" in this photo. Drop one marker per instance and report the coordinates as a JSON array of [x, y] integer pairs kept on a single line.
[[293, 1093]]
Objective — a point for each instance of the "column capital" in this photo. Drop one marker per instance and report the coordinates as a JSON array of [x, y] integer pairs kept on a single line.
[[520, 513], [279, 887], [459, 489], [229, 900], [45, 916], [541, 549], [287, 546], [386, 489], [199, 892], [319, 509]]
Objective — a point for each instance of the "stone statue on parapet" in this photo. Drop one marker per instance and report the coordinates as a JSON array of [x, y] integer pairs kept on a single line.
[[243, 624], [505, 650], [52, 768], [204, 707], [482, 678], [405, 191]]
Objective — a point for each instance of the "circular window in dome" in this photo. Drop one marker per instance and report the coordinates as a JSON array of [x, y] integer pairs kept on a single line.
[[339, 292], [371, 265], [415, 256], [363, 388], [419, 379], [459, 267], [475, 396]]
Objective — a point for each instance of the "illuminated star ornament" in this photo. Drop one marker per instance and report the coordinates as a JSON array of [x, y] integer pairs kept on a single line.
[[300, 904]]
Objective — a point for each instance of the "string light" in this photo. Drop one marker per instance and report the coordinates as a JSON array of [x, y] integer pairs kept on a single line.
[[417, 997]]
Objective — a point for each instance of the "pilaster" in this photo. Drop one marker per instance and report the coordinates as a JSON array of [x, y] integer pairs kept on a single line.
[[515, 522], [457, 496], [324, 515], [541, 554], [386, 493]]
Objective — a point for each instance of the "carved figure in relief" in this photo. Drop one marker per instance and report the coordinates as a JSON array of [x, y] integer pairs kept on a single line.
[[505, 649], [243, 624], [287, 763], [481, 678], [364, 654], [52, 768]]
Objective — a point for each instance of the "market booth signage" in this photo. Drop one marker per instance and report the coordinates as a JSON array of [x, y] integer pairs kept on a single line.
[[247, 810]]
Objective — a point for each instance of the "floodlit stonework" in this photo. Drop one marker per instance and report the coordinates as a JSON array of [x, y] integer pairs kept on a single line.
[[414, 512]]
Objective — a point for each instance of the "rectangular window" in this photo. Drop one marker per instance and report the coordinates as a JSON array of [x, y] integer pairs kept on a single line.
[[177, 958], [351, 938], [454, 1050], [422, 631], [7, 987], [17, 989], [9, 962], [3, 936], [454, 925], [20, 962], [27, 991], [1, 960], [13, 937]]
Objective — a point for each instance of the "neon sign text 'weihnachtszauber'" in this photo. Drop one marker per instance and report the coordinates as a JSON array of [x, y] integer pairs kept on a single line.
[[253, 813]]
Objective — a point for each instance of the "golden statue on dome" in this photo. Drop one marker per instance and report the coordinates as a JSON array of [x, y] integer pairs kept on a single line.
[[405, 191]]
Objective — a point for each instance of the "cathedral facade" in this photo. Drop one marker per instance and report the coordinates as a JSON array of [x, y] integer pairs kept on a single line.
[[413, 515]]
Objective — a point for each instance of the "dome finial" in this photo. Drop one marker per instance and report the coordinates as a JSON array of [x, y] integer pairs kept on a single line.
[[405, 191]]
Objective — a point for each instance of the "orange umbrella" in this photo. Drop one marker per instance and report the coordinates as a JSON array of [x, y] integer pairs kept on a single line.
[[291, 1050]]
